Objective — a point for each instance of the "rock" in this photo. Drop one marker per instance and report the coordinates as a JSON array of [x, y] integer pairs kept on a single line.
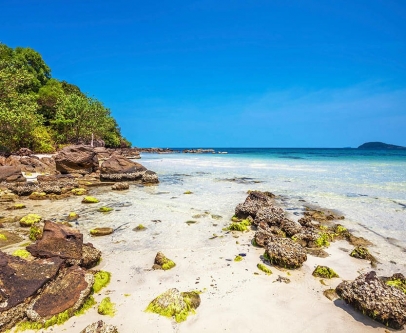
[[253, 203], [20, 280], [7, 238], [306, 238], [66, 293], [38, 196], [162, 262], [90, 256], [101, 231], [271, 215], [90, 200], [100, 327], [58, 241], [375, 299], [76, 159], [290, 227], [324, 272], [30, 219], [120, 186], [286, 253], [174, 304], [330, 294], [24, 152], [150, 177], [120, 168], [262, 237], [11, 174]]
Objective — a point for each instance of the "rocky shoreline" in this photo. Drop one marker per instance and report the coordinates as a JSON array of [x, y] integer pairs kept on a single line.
[[49, 260]]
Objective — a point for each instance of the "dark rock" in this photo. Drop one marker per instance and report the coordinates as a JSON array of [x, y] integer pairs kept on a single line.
[[11, 174], [262, 237], [24, 152], [286, 253], [90, 256], [271, 215], [253, 203], [150, 177], [77, 159], [375, 299], [290, 227], [100, 327], [306, 237], [20, 280], [23, 189], [58, 241], [66, 293], [120, 186]]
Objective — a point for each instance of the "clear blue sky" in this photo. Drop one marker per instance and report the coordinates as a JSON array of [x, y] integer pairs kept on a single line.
[[211, 73]]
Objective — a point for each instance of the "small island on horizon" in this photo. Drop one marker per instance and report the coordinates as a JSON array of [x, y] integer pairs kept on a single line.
[[379, 145]]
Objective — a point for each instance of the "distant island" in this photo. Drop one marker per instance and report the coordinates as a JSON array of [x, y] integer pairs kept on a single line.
[[379, 145]]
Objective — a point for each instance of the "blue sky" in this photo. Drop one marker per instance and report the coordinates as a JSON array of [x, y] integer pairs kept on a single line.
[[229, 73]]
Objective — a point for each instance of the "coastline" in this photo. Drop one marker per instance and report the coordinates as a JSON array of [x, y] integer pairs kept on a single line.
[[233, 297]]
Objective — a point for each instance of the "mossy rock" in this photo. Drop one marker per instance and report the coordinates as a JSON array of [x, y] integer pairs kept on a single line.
[[162, 262], [101, 280], [238, 258], [398, 281], [174, 304], [361, 252], [140, 227], [72, 216], [243, 225], [79, 191], [38, 196], [8, 238], [106, 307], [35, 232], [101, 231], [264, 268], [16, 206], [89, 200], [3, 237], [30, 219], [22, 253], [188, 192], [105, 209], [324, 272]]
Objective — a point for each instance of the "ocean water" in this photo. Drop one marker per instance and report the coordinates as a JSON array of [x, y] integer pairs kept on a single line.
[[367, 187]]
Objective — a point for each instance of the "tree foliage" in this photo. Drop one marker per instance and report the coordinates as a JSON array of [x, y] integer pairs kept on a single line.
[[40, 112]]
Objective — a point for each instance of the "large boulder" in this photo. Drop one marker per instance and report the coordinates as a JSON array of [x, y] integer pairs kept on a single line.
[[58, 240], [376, 299], [20, 280], [284, 252], [77, 159], [66, 293], [11, 174], [119, 168], [255, 201]]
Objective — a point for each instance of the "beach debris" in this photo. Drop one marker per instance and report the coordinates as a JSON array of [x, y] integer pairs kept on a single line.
[[216, 217], [30, 219], [120, 186], [238, 258], [376, 299], [190, 222], [175, 304], [100, 327], [162, 262], [102, 231], [324, 272], [264, 268], [140, 227], [89, 200], [105, 209], [284, 252], [282, 279], [106, 307], [188, 192]]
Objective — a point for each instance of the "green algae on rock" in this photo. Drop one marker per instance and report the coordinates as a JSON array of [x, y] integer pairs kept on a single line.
[[238, 258], [30, 219], [140, 227], [106, 307], [3, 237], [105, 209], [88, 199], [101, 279], [239, 226], [16, 206], [101, 231], [79, 191], [361, 252], [188, 192], [174, 304], [162, 262], [35, 232], [73, 216], [324, 272], [398, 281], [264, 268], [22, 253]]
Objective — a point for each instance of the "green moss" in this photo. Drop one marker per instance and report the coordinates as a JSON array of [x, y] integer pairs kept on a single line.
[[239, 226], [264, 268], [101, 279], [79, 191], [18, 206], [339, 229], [238, 258], [35, 232], [28, 325], [323, 240], [105, 209], [59, 319], [188, 192], [22, 253], [139, 227], [73, 216], [397, 283], [3, 237], [361, 252], [235, 219], [324, 272], [30, 219], [90, 301], [168, 265], [106, 307], [266, 256], [88, 199]]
